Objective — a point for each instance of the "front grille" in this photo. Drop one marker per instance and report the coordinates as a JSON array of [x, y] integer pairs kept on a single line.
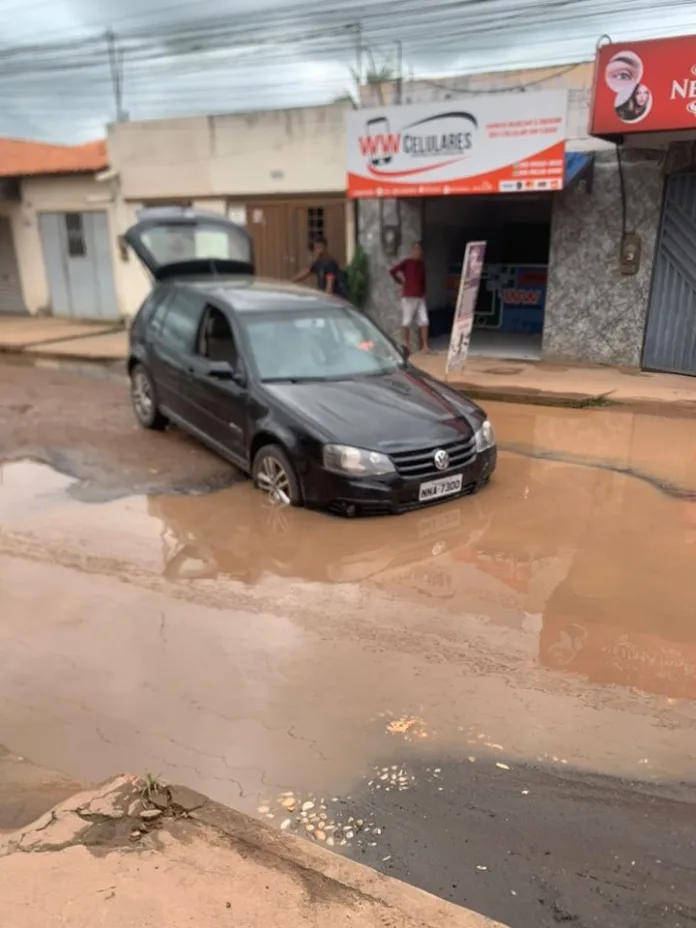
[[420, 465]]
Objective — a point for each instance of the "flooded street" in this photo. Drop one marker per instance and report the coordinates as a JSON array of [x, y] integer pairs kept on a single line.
[[494, 699]]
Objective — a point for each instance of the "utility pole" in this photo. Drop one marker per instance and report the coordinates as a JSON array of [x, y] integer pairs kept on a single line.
[[399, 72], [359, 53], [116, 68]]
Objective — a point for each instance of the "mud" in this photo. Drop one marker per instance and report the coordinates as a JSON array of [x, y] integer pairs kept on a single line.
[[81, 424], [544, 625]]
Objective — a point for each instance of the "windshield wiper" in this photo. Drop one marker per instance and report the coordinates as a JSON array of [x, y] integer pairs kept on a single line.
[[335, 378], [293, 379]]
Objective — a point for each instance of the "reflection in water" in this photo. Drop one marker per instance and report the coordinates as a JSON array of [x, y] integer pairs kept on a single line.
[[597, 565]]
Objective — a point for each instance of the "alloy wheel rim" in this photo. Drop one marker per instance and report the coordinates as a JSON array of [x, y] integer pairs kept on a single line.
[[142, 396], [274, 481]]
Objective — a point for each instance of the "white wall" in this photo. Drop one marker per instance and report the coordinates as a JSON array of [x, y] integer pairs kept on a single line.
[[212, 159], [277, 152], [73, 193]]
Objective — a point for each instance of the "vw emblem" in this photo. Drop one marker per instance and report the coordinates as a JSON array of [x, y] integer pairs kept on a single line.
[[441, 460]]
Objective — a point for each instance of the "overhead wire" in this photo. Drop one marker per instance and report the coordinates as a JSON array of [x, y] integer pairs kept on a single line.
[[203, 58], [245, 26]]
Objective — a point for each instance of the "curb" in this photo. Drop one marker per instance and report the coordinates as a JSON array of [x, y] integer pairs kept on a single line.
[[520, 395], [29, 355], [84, 336], [410, 905], [514, 395], [128, 815]]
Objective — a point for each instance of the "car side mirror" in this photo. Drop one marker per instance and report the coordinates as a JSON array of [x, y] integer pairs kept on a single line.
[[223, 370]]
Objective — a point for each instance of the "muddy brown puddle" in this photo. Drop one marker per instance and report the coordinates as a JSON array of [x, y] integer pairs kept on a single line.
[[248, 650]]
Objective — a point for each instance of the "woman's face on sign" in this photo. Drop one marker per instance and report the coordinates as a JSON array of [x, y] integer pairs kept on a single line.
[[623, 71], [642, 96]]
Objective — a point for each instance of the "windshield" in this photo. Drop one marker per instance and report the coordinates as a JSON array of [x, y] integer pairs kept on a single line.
[[325, 344]]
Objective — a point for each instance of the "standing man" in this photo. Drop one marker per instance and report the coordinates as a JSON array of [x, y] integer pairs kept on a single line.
[[326, 268], [410, 275]]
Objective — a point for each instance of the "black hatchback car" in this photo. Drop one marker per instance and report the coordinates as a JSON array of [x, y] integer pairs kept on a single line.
[[298, 389]]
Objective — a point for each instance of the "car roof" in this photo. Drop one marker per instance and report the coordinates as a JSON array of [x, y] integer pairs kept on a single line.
[[249, 294]]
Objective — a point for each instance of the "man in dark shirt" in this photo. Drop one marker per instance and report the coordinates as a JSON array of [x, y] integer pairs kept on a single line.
[[326, 269], [410, 275]]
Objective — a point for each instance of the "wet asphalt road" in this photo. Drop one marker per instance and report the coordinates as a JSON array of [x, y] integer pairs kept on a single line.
[[533, 847], [525, 659]]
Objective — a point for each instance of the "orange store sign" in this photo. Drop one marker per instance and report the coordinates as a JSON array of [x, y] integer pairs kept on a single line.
[[512, 143]]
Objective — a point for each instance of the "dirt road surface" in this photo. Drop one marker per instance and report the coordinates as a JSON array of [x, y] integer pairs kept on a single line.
[[493, 699], [83, 425]]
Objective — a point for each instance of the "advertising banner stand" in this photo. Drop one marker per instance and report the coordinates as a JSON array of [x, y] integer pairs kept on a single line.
[[472, 269]]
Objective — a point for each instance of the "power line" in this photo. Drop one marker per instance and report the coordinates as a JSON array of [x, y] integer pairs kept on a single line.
[[198, 58], [380, 18]]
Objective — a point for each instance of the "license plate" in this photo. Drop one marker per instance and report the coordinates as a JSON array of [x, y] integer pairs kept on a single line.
[[435, 489]]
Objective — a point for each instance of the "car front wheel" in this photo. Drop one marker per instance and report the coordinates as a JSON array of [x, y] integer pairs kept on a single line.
[[273, 474], [144, 398]]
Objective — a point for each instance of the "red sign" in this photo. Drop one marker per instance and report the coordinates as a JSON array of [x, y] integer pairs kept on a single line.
[[645, 87]]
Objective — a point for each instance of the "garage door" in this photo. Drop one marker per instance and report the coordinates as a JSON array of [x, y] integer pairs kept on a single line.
[[77, 255], [670, 336], [11, 300]]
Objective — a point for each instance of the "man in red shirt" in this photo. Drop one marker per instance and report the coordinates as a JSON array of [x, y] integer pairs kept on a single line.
[[410, 275]]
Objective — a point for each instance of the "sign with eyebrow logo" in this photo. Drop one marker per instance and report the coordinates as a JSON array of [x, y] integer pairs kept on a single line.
[[645, 86]]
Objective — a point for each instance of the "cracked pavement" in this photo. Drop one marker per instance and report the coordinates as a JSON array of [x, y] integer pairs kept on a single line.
[[543, 627], [86, 862]]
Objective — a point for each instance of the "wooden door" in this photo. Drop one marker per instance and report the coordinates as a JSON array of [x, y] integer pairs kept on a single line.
[[335, 229], [313, 219], [283, 234], [269, 225]]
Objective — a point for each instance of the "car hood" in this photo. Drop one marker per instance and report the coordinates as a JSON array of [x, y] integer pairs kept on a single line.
[[389, 412]]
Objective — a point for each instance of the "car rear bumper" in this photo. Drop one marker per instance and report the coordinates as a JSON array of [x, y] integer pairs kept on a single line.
[[391, 494]]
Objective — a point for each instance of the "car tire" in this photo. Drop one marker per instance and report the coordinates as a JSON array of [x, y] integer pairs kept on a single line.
[[144, 399], [275, 476]]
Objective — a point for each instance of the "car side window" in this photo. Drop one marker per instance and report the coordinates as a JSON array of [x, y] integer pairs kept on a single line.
[[146, 312], [156, 318], [215, 339], [180, 322]]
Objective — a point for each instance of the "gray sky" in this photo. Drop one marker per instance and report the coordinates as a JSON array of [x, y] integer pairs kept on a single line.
[[182, 58]]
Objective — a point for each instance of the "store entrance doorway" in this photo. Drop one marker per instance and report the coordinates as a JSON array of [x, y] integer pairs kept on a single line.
[[509, 319]]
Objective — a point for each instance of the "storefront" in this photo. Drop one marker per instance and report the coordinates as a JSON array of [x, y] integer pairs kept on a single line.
[[645, 100], [482, 169], [509, 316]]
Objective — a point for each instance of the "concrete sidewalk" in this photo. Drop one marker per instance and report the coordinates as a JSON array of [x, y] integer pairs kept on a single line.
[[121, 855], [26, 334], [484, 378], [566, 385]]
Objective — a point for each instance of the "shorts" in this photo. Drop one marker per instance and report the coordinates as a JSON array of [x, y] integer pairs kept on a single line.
[[414, 308]]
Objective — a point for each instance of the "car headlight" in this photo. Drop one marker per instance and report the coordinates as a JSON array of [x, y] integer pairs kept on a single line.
[[485, 437], [357, 462]]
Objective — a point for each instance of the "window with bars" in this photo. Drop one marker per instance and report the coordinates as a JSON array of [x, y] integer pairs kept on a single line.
[[75, 230], [315, 224]]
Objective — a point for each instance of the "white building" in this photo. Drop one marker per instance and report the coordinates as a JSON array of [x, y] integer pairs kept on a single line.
[[58, 245], [280, 172]]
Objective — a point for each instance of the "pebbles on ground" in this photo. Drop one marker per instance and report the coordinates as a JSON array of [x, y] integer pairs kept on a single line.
[[327, 821]]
